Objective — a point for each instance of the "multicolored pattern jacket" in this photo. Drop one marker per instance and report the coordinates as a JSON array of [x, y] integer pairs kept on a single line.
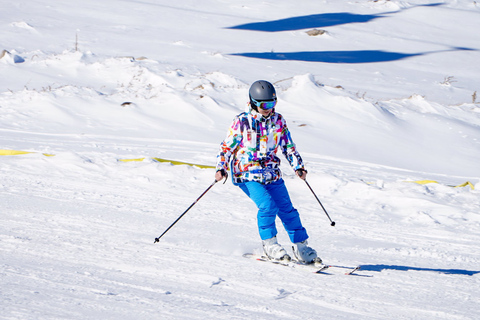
[[251, 146]]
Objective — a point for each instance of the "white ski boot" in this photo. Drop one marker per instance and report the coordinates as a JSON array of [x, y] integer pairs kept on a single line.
[[305, 254], [275, 251]]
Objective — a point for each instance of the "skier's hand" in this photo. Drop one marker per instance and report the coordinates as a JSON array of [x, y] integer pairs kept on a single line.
[[220, 174], [301, 173]]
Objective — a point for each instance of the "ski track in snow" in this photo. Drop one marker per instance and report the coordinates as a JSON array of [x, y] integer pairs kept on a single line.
[[75, 247], [77, 227]]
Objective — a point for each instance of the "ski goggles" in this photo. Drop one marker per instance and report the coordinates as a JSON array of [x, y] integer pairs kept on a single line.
[[265, 105]]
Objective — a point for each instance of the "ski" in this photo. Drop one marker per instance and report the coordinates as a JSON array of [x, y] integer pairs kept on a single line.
[[319, 268], [316, 267], [353, 270], [350, 271]]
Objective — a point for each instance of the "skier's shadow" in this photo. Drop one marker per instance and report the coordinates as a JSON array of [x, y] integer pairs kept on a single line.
[[381, 267]]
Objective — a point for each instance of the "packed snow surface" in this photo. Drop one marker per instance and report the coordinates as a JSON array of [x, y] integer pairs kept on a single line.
[[382, 99]]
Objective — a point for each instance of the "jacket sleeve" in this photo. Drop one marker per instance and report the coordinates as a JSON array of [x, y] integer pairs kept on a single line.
[[289, 149], [228, 146]]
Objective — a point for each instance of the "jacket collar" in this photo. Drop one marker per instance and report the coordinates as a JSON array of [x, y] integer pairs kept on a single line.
[[257, 116]]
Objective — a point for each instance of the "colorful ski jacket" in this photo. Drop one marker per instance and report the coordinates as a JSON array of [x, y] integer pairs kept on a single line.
[[251, 145]]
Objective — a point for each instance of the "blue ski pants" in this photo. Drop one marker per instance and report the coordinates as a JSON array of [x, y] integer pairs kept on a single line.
[[272, 200]]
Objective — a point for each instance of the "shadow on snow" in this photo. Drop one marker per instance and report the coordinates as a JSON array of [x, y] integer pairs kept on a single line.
[[312, 21], [381, 267], [359, 56], [315, 21], [327, 20]]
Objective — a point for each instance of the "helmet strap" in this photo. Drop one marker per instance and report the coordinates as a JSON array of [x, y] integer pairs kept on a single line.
[[253, 106]]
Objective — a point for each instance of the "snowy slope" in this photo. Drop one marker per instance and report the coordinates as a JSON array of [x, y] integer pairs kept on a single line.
[[385, 97]]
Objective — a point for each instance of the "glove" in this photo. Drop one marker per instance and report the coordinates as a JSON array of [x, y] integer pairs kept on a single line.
[[302, 173], [220, 174]]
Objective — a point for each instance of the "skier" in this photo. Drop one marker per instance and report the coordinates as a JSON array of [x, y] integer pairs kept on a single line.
[[250, 149]]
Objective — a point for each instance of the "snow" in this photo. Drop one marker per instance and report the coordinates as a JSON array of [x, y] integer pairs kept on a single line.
[[387, 97]]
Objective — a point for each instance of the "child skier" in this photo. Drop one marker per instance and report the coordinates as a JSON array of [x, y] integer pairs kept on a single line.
[[250, 149]]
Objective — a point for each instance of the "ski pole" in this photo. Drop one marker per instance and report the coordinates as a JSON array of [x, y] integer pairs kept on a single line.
[[180, 217], [332, 222]]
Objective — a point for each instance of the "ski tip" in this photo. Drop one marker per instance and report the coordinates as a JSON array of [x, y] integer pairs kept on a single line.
[[322, 269], [354, 269]]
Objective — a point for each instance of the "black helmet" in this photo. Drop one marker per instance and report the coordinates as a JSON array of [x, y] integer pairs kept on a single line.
[[262, 94]]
